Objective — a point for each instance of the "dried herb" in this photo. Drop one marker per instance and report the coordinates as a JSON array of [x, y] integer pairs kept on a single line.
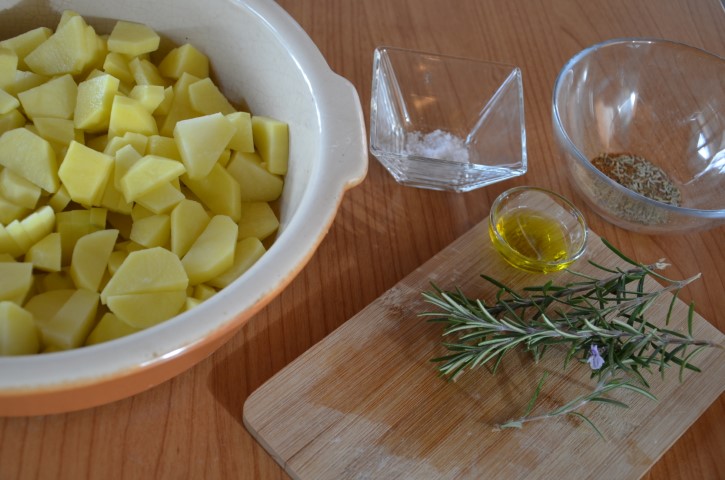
[[639, 175], [599, 321]]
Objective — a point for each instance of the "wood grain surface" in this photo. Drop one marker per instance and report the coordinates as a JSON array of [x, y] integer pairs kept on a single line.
[[366, 402], [191, 426]]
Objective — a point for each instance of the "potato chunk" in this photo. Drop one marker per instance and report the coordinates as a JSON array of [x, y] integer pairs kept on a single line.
[[271, 137], [213, 252], [143, 310], [18, 333], [93, 104], [85, 172], [31, 157], [132, 39], [54, 98], [201, 141], [16, 278], [109, 328], [65, 51], [188, 220], [147, 174], [90, 258], [146, 271], [72, 323]]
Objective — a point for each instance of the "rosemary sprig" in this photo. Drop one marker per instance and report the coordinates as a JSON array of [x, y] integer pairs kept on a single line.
[[600, 321]]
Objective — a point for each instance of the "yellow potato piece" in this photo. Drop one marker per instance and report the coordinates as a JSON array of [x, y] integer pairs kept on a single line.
[[271, 138], [15, 281], [18, 190], [161, 199], [46, 254], [143, 310], [180, 108], [58, 131], [39, 223], [147, 174], [109, 328], [213, 252], [246, 253], [60, 199], [73, 224], [163, 147], [132, 39], [258, 220], [145, 73], [90, 258], [188, 220], [45, 305], [31, 157], [93, 103], [72, 323], [255, 181], [150, 96], [184, 59], [116, 64], [146, 271], [152, 231], [219, 191], [18, 333], [54, 98], [201, 141], [8, 66], [10, 211], [206, 98], [65, 51], [8, 244], [11, 120], [129, 115], [8, 102], [85, 172], [26, 42], [242, 141]]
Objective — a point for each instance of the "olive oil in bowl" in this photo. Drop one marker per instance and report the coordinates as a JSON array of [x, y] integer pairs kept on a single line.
[[536, 230]]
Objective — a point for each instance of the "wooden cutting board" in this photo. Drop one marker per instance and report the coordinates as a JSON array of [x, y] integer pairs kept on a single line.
[[366, 402]]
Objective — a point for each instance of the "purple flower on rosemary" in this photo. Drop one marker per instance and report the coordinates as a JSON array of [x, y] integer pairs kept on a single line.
[[595, 360]]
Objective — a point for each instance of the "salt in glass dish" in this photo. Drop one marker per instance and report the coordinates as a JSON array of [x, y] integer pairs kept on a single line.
[[446, 123], [537, 230]]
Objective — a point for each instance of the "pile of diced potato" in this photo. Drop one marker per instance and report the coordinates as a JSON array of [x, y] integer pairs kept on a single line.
[[130, 190]]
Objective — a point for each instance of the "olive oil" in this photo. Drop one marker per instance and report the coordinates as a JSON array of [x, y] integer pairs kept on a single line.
[[531, 240]]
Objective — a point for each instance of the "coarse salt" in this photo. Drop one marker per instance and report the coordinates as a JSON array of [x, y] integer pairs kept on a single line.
[[437, 144]]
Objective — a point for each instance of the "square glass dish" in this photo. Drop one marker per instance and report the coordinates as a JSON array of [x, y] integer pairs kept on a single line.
[[446, 123]]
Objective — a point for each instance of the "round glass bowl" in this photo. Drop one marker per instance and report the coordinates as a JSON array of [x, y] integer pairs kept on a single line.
[[537, 230], [662, 105]]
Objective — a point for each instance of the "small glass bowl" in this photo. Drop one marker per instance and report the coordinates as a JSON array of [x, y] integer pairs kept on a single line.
[[446, 123], [537, 230]]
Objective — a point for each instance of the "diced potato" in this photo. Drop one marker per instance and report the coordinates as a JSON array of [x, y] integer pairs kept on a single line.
[[129, 115], [271, 138], [18, 190], [206, 98], [139, 211], [147, 271], [39, 223], [65, 51], [114, 201], [143, 310], [184, 59], [85, 172], [201, 141], [11, 120], [188, 220], [165, 106], [9, 211], [8, 102], [18, 233], [72, 323], [55, 281], [255, 181], [147, 174], [258, 220], [150, 96], [60, 131], [116, 64], [213, 252], [90, 257], [145, 73], [152, 231], [31, 157], [136, 140], [132, 39], [60, 199], [204, 292], [45, 305], [242, 141], [46, 254], [15, 281], [163, 147], [162, 199], [115, 260], [18, 333], [8, 66], [8, 244], [72, 225], [93, 105], [219, 191], [109, 328], [246, 253], [26, 42], [180, 108]]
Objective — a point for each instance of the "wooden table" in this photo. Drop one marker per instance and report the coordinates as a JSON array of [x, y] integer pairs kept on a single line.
[[191, 426]]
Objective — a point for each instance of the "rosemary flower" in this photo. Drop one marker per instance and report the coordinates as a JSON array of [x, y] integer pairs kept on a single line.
[[595, 360]]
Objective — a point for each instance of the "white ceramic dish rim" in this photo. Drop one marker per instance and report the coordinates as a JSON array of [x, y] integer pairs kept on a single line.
[[582, 159], [345, 165]]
